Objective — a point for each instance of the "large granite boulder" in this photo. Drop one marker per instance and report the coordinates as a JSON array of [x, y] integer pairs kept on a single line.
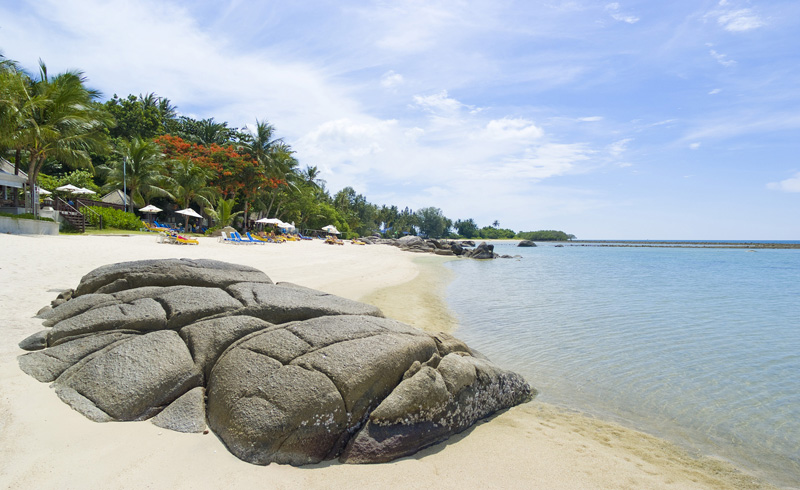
[[281, 373], [482, 251]]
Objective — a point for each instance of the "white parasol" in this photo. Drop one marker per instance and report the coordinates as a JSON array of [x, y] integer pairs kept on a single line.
[[189, 212], [68, 188]]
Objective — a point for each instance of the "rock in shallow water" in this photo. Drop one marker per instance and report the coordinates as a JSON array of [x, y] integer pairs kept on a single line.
[[290, 375]]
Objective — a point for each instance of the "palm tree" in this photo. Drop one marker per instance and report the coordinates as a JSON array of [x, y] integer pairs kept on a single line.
[[56, 118], [261, 143], [496, 224], [205, 132], [283, 167], [168, 112], [311, 177], [187, 184], [12, 100], [143, 172], [223, 214]]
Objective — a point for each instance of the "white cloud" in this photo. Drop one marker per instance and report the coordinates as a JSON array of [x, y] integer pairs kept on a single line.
[[438, 103], [722, 59], [734, 19], [694, 145], [154, 46], [391, 79], [512, 129], [617, 148], [740, 20], [591, 119], [614, 12], [715, 91], [792, 184]]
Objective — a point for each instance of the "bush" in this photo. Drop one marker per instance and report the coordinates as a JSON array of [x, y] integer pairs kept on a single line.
[[24, 216], [114, 218]]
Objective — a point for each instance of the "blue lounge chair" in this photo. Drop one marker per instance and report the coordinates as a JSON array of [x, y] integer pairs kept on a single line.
[[253, 240], [237, 238], [224, 238]]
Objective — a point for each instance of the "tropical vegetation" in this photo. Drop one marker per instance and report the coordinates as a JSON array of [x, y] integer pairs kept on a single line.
[[56, 128]]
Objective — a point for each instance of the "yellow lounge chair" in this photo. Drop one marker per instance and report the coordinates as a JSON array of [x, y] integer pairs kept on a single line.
[[152, 228], [182, 240]]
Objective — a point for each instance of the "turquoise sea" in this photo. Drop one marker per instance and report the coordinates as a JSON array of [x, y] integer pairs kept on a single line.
[[700, 346]]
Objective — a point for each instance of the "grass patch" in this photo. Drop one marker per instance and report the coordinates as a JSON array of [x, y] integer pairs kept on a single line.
[[25, 216]]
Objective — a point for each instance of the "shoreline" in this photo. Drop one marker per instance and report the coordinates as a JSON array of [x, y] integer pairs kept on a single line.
[[45, 444], [433, 279]]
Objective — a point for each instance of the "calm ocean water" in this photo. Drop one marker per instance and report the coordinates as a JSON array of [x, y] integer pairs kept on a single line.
[[699, 346]]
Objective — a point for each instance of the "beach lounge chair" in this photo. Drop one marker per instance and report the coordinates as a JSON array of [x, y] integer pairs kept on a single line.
[[223, 237], [152, 228], [262, 239], [237, 238], [254, 240], [332, 240], [185, 241]]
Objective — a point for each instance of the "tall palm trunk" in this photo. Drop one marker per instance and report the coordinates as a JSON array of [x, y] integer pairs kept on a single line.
[[246, 214], [272, 193], [17, 157]]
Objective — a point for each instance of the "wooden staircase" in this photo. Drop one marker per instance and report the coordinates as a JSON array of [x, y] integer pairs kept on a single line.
[[70, 214]]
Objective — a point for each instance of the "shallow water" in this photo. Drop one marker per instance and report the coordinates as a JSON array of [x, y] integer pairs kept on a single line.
[[699, 346]]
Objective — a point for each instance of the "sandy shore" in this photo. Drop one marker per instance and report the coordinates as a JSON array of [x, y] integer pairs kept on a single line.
[[45, 444]]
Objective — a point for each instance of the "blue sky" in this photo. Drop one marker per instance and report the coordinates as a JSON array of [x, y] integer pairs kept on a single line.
[[630, 119]]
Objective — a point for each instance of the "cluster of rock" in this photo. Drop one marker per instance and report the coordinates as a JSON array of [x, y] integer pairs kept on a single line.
[[279, 372], [459, 248]]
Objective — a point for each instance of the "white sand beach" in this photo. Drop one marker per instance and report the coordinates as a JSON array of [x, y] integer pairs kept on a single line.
[[45, 444]]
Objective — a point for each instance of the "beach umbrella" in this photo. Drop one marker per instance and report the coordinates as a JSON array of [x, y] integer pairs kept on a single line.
[[269, 221], [43, 192], [68, 188], [189, 212], [83, 190], [331, 229], [150, 209]]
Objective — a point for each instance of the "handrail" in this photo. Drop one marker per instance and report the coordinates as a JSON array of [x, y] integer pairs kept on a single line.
[[99, 216], [65, 208]]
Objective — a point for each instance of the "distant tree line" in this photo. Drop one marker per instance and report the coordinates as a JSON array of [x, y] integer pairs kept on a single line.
[[56, 129]]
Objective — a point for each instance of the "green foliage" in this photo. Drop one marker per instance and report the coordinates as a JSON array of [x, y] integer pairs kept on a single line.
[[204, 132], [361, 216], [138, 167], [432, 223], [113, 218], [492, 233], [466, 228], [49, 182], [223, 214], [140, 117], [24, 216], [79, 178], [51, 118], [545, 236]]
